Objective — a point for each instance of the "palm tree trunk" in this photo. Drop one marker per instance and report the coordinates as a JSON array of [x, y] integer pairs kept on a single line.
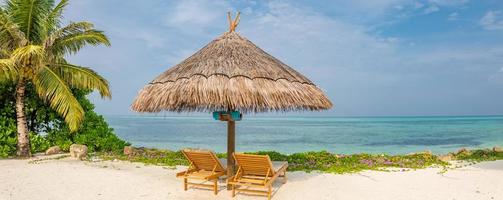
[[23, 137]]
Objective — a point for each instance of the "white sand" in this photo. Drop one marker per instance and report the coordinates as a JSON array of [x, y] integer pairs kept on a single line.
[[70, 179]]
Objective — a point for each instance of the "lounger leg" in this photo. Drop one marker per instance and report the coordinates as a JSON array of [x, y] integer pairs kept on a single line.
[[215, 186], [269, 192], [185, 184], [233, 190]]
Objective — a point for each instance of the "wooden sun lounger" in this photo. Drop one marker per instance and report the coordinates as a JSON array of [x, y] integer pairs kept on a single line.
[[204, 166], [256, 171]]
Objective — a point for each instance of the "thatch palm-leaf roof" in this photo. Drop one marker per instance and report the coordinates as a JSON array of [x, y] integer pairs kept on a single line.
[[231, 73]]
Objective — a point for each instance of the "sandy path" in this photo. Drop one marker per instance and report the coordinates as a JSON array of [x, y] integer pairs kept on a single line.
[[69, 179]]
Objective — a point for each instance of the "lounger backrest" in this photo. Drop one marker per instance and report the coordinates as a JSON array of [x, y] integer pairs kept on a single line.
[[259, 165], [203, 160]]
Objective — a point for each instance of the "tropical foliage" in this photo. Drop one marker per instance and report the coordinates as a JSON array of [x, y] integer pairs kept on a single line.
[[33, 46], [95, 132], [479, 155], [47, 128]]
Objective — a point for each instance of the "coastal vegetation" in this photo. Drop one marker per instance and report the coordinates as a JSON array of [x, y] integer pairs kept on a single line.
[[322, 161], [33, 46], [47, 128], [479, 155]]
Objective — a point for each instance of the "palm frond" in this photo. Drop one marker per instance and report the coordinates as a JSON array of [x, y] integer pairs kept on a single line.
[[8, 71], [54, 90], [53, 21], [72, 43], [30, 16], [72, 28], [82, 78], [32, 55], [4, 53], [10, 34]]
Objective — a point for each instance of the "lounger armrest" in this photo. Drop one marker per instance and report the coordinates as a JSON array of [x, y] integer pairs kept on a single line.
[[180, 174], [214, 176], [277, 173], [273, 178], [280, 166]]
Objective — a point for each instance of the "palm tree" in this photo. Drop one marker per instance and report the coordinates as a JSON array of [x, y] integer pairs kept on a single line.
[[33, 46]]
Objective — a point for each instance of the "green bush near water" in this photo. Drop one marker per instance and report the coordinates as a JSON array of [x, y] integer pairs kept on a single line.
[[38, 143], [47, 128], [479, 155], [94, 133], [329, 162], [149, 156], [8, 139]]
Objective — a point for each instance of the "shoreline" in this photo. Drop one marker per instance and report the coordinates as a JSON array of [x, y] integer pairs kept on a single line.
[[65, 178]]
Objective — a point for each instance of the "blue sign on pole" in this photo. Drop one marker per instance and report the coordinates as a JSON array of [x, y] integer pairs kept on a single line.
[[227, 115]]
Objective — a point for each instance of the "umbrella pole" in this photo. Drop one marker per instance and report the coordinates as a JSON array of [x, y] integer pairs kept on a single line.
[[231, 138]]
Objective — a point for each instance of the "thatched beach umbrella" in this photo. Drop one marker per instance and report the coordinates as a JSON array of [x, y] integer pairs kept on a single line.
[[231, 74]]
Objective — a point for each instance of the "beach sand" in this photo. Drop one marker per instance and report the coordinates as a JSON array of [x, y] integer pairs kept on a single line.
[[71, 179]]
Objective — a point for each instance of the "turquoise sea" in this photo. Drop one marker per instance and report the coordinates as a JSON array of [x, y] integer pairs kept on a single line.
[[393, 135]]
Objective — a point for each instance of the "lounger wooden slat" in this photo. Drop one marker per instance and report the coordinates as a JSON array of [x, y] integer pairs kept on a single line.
[[205, 166], [256, 171]]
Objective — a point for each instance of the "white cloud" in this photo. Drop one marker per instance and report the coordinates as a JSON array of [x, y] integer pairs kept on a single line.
[[418, 5], [313, 42], [375, 6], [197, 14], [307, 39], [492, 20], [453, 16], [449, 2], [151, 39], [386, 12], [431, 9], [365, 10], [360, 67], [497, 77]]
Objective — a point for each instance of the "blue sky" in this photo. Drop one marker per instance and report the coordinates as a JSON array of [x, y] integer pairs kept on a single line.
[[379, 57]]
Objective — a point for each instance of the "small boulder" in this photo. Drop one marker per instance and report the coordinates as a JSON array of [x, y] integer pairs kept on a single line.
[[78, 151], [498, 149], [445, 158], [128, 150], [53, 150]]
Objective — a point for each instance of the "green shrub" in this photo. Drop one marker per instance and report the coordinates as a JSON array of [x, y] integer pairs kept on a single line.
[[38, 143], [8, 138], [150, 157], [272, 154], [94, 133], [60, 138], [478, 155]]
